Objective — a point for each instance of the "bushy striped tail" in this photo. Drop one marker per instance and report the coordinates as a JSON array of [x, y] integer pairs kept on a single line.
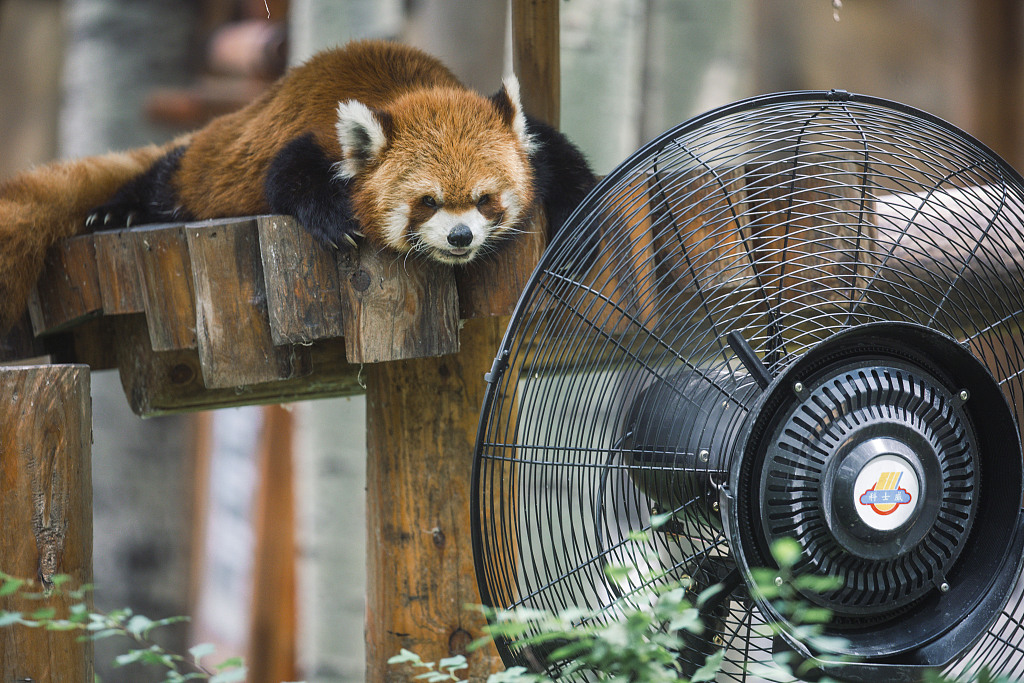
[[42, 206]]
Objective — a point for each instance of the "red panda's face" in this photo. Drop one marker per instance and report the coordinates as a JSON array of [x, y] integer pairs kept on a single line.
[[444, 173]]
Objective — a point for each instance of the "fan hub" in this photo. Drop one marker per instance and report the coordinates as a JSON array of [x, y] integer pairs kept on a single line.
[[871, 468], [870, 452]]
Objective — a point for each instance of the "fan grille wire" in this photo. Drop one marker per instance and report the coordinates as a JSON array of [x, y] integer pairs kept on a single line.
[[789, 217]]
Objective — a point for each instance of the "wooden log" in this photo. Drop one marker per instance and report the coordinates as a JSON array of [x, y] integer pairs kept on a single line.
[[421, 422], [396, 307], [120, 282], [492, 285], [236, 347], [46, 508], [167, 382], [303, 293], [68, 290], [166, 273], [536, 57]]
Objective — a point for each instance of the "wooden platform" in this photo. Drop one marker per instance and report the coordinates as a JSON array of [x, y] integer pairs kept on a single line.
[[250, 310]]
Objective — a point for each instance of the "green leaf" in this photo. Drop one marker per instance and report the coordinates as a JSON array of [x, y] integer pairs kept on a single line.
[[231, 662], [138, 625], [59, 580], [129, 657], [786, 552], [659, 520], [617, 574], [43, 614], [404, 656], [455, 663], [201, 650], [10, 585], [9, 618]]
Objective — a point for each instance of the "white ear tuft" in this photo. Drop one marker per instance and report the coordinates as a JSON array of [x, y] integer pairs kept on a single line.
[[361, 135], [511, 85]]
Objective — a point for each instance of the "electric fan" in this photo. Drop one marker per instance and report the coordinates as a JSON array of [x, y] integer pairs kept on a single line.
[[800, 315]]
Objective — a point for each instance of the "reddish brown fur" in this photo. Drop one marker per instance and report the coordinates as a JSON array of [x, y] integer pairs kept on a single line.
[[222, 171], [443, 130], [45, 205]]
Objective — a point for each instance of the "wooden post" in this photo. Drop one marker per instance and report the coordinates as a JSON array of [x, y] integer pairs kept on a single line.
[[45, 511], [535, 57], [421, 423], [421, 420]]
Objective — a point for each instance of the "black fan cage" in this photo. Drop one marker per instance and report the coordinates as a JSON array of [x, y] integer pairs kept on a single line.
[[789, 217]]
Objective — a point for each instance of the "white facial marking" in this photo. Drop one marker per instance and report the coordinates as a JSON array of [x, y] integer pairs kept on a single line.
[[395, 224], [360, 135], [435, 231], [513, 207]]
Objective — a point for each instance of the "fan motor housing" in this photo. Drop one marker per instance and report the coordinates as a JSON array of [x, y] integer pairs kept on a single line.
[[890, 454]]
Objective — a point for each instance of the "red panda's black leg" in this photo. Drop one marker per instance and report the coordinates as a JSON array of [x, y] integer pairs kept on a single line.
[[302, 182], [147, 198], [562, 176]]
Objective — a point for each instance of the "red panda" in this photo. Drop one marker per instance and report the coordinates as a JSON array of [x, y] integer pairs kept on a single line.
[[374, 139]]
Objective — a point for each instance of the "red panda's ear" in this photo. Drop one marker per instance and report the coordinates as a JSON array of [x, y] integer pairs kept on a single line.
[[508, 104], [362, 133]]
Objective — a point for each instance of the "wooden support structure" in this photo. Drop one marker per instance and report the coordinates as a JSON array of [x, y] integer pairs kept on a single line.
[[46, 508], [251, 310]]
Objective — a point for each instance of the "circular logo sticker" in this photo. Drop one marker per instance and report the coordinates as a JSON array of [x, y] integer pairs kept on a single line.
[[886, 492]]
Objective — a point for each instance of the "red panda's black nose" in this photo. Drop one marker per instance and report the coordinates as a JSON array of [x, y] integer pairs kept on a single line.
[[460, 236]]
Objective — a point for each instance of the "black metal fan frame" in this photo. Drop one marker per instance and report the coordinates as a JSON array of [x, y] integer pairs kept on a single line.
[[940, 624], [999, 581]]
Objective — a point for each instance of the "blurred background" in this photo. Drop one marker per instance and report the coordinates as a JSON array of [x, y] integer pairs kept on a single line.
[[251, 520]]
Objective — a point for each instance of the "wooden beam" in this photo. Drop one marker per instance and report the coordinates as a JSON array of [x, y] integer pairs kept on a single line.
[[421, 422], [395, 307], [167, 382], [166, 273], [303, 293], [46, 508], [236, 347], [68, 291]]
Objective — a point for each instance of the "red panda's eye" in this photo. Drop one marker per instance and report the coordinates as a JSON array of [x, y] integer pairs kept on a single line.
[[484, 200], [430, 202]]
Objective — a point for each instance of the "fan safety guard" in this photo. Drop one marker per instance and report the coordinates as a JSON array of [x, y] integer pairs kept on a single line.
[[797, 316]]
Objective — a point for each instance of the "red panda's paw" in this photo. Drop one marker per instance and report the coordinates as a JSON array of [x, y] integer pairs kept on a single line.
[[302, 182], [148, 197], [113, 215]]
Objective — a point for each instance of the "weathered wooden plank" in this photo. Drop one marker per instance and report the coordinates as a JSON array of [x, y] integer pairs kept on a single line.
[[421, 422], [166, 382], [396, 307], [235, 345], [68, 290], [118, 271], [46, 508], [492, 285], [166, 273], [303, 293]]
